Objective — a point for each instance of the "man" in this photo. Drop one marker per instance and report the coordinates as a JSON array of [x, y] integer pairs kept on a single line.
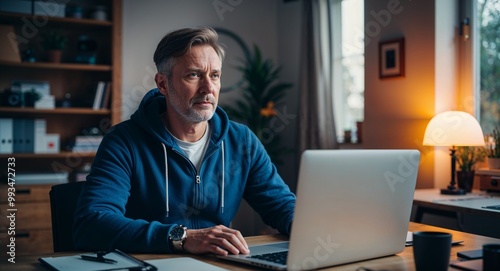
[[172, 177]]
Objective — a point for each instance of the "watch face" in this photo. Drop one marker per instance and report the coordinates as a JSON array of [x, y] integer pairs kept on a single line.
[[177, 233]]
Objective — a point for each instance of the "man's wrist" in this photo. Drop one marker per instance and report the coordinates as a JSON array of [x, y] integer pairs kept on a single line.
[[177, 238]]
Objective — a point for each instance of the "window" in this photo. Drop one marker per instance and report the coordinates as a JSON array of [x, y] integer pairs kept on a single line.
[[348, 46], [488, 16]]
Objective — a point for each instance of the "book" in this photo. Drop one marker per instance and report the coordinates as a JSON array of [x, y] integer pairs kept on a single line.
[[106, 96], [98, 95], [40, 129], [6, 135], [29, 135], [18, 135]]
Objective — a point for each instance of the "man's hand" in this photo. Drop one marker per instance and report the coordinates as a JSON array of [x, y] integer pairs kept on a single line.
[[219, 240]]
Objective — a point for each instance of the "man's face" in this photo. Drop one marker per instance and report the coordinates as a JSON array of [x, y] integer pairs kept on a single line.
[[193, 90]]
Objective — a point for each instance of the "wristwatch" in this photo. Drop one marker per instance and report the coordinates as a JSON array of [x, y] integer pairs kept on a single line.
[[177, 237]]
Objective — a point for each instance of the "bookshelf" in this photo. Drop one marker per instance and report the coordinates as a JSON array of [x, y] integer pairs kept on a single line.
[[77, 79], [72, 77]]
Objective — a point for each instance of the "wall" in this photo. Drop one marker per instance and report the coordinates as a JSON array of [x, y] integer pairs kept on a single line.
[[272, 25], [397, 110]]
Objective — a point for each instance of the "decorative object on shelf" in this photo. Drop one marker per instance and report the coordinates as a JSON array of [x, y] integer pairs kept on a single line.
[[31, 97], [260, 96], [87, 50], [9, 47], [493, 147], [359, 131], [34, 91], [392, 58], [467, 160], [100, 13], [347, 136], [29, 55], [11, 98], [74, 12], [66, 102], [53, 43], [453, 128]]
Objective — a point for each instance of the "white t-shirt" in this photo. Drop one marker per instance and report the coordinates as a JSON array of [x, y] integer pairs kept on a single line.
[[194, 150]]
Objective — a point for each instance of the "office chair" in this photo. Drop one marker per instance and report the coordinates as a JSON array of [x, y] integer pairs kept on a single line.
[[63, 201]]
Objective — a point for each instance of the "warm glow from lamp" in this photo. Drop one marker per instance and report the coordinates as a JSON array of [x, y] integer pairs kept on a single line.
[[453, 128]]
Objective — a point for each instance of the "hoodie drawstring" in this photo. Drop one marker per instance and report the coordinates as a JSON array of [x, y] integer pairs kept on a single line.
[[166, 179], [222, 186]]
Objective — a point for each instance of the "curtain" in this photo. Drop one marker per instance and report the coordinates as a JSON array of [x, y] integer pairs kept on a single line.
[[316, 117]]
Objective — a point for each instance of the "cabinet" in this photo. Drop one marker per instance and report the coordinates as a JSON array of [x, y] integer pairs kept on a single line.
[[489, 179], [28, 221], [70, 76]]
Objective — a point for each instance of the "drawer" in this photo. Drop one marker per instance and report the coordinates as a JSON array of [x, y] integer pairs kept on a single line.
[[27, 242], [27, 193], [489, 183], [34, 215]]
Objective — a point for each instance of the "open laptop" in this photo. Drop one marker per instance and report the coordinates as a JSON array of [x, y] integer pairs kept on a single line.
[[352, 205]]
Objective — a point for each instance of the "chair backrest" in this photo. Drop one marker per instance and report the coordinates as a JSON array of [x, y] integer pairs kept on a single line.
[[63, 201]]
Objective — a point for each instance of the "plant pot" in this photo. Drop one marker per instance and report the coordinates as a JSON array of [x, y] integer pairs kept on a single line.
[[465, 180], [54, 56], [493, 163]]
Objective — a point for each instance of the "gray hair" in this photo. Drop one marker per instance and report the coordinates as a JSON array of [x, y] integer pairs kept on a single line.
[[178, 42]]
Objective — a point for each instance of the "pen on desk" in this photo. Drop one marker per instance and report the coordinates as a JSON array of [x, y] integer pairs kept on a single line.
[[98, 258]]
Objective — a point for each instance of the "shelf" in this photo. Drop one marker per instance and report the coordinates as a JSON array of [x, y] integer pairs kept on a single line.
[[9, 17], [64, 154], [57, 66], [56, 111]]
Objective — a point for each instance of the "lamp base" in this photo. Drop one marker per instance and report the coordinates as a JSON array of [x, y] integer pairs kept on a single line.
[[453, 191]]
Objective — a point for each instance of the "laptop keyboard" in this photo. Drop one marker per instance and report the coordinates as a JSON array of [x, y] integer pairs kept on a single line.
[[275, 257]]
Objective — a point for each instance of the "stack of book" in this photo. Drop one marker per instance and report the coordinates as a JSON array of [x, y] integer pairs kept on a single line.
[[102, 95], [87, 143], [25, 135]]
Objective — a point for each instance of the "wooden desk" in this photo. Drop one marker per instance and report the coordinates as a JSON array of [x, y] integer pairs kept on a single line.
[[401, 261], [431, 201]]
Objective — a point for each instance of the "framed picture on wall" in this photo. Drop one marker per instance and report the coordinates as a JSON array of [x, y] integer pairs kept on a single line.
[[392, 58]]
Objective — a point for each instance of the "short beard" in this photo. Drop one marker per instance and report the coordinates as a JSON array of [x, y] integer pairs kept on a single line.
[[190, 115]]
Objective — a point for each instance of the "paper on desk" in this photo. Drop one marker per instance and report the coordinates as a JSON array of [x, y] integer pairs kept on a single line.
[[76, 263], [182, 264], [409, 240]]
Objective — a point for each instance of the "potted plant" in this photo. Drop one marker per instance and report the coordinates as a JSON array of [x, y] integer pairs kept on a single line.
[[260, 95], [53, 43], [467, 160], [493, 148], [31, 97]]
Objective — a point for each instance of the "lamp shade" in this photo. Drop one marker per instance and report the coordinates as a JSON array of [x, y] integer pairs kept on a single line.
[[453, 128]]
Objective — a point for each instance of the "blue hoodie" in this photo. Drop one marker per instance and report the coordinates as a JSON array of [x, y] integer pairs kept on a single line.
[[142, 185]]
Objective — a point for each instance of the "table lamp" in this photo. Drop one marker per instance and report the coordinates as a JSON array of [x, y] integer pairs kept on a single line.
[[453, 128]]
